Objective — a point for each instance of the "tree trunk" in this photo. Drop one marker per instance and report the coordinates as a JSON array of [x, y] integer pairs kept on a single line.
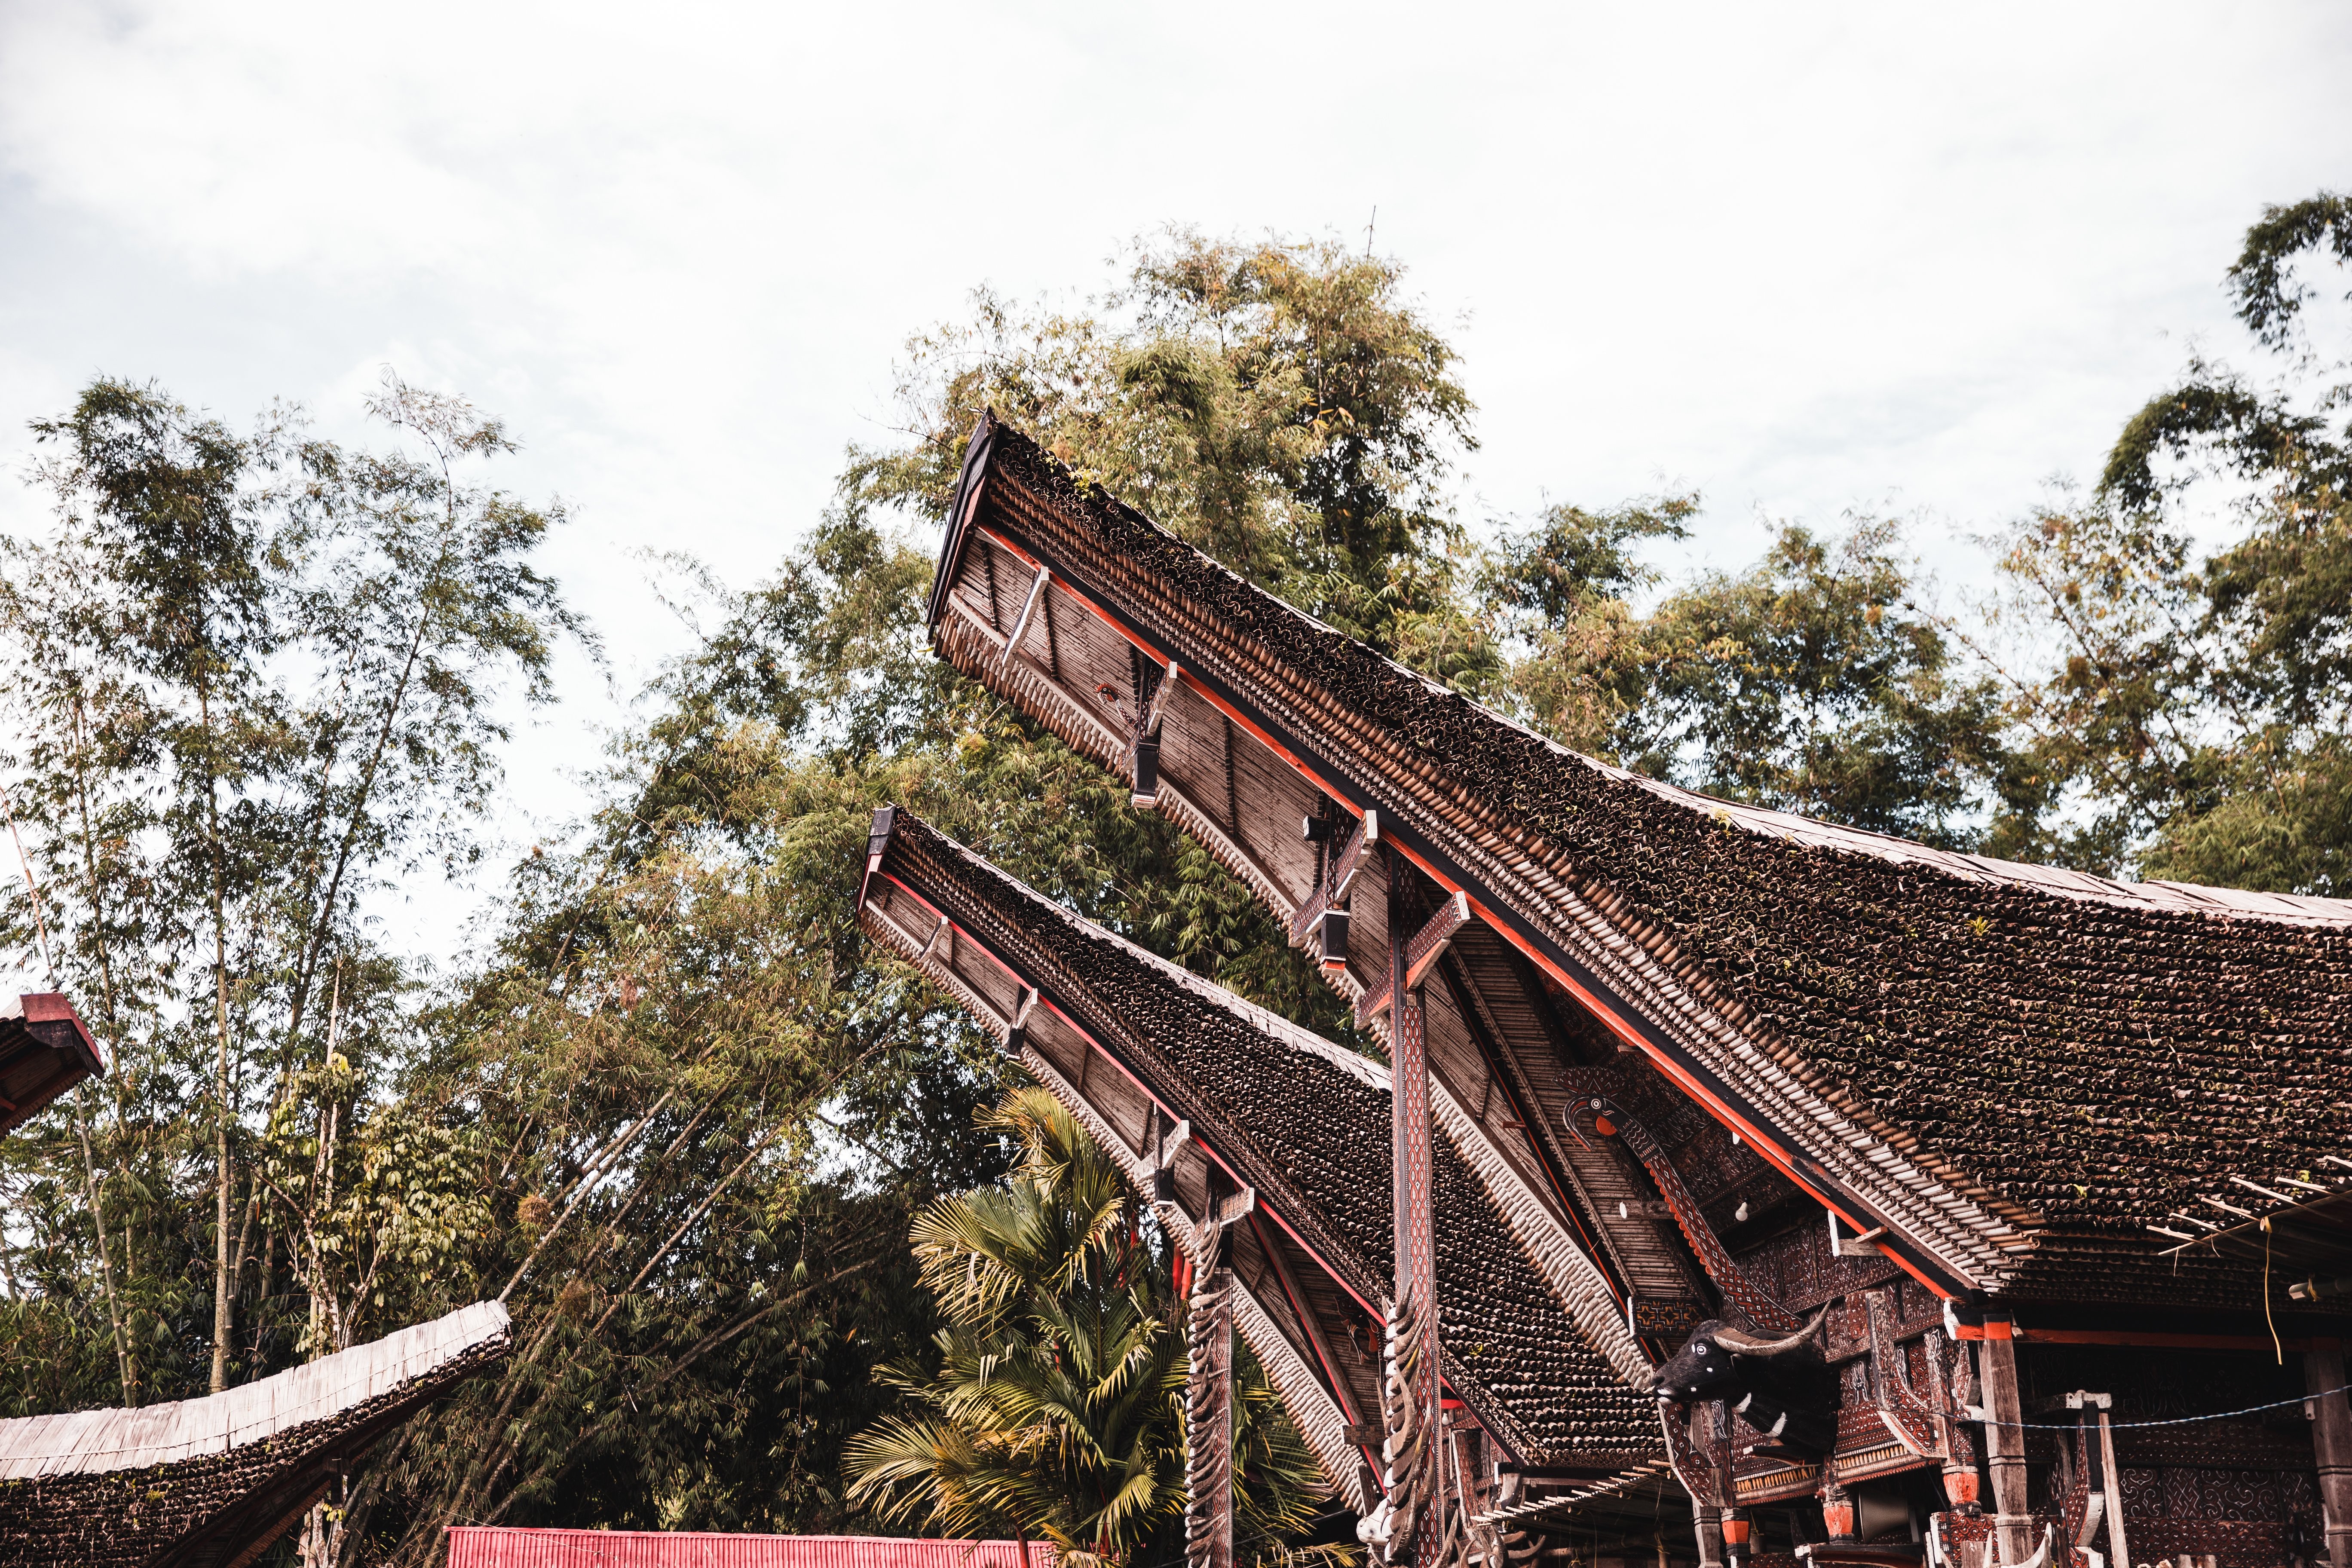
[[224, 1307], [105, 1263]]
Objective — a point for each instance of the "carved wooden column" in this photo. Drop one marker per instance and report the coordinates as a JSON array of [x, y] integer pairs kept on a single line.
[[1416, 1264], [1948, 1397], [1710, 1425], [2331, 1442], [1209, 1386], [2004, 1439]]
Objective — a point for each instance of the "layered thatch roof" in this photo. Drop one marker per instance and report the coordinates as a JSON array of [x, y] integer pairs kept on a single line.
[[207, 1483]]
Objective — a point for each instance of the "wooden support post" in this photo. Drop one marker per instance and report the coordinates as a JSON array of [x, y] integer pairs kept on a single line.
[[1709, 1426], [2331, 1442], [2111, 1476], [1837, 1509], [1416, 1264], [2004, 1441], [1209, 1398]]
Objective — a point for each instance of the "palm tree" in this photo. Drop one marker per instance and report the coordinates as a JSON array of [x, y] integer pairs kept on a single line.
[[1056, 1409]]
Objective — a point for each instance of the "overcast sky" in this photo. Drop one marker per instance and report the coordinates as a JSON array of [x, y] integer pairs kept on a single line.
[[1801, 258]]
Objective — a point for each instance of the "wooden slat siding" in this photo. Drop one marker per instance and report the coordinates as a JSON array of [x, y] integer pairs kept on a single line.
[[1000, 933], [1458, 1064], [1499, 1017], [1648, 1253], [1952, 1229], [1091, 727], [1099, 656]]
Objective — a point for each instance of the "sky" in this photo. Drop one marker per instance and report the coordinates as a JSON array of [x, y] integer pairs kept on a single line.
[[1803, 259]]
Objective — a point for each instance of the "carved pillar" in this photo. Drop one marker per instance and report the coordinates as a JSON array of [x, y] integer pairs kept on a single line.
[[2004, 1439], [1959, 1446], [1416, 1264], [1837, 1510], [2331, 1442], [1209, 1406], [1708, 1522], [1711, 1430]]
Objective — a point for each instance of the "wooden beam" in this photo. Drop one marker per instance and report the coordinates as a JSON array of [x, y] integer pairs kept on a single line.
[[1350, 858], [1028, 609]]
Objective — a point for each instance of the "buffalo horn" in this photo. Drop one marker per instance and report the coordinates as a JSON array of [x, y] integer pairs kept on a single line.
[[2040, 1557], [1748, 1344]]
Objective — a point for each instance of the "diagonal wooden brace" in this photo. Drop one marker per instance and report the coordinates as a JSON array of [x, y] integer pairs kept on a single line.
[[1339, 880], [1421, 954], [1349, 860], [1020, 622], [1144, 752]]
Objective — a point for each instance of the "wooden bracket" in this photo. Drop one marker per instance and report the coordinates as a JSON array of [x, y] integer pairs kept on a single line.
[[1160, 1150], [1227, 1208], [1421, 954], [1143, 754], [938, 931], [1309, 916], [1350, 857]]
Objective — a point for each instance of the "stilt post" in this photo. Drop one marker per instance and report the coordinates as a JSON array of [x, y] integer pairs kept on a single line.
[[2004, 1440], [2331, 1442], [1416, 1266]]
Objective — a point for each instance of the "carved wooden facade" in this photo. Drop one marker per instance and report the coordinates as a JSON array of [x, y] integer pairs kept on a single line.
[[1268, 1152]]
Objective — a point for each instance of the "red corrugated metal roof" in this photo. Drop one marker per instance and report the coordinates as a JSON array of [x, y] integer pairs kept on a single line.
[[477, 1546]]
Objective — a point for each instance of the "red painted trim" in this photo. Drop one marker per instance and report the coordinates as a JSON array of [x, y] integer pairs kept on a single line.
[[1770, 1151]]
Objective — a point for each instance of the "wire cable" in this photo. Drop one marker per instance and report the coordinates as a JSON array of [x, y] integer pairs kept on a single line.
[[2175, 1421]]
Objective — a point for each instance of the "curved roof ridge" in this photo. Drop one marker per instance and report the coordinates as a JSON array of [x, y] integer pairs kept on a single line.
[[95, 1442], [2235, 903]]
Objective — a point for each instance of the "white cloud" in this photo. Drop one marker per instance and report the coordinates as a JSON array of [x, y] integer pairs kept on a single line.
[[1798, 257]]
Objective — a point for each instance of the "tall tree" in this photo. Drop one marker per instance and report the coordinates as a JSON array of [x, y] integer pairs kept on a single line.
[[1810, 682], [152, 497], [251, 677], [2196, 719]]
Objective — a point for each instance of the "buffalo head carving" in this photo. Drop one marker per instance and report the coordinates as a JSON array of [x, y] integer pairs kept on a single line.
[[1779, 1386]]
